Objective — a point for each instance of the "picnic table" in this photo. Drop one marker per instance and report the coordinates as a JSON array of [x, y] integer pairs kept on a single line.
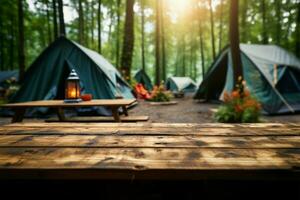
[[60, 105], [149, 151]]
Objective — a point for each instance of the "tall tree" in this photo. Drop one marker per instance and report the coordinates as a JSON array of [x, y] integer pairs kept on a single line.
[[1, 42], [278, 5], [201, 44], [297, 43], [81, 23], [143, 34], [21, 40], [92, 22], [118, 33], [157, 44], [244, 27], [99, 16], [62, 27], [128, 41], [48, 21], [163, 42], [234, 41], [183, 64], [221, 25], [212, 28], [265, 39], [55, 29], [111, 23], [12, 50]]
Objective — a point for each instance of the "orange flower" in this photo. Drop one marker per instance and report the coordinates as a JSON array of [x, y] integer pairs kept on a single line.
[[251, 103], [235, 94], [238, 108], [246, 93], [226, 97]]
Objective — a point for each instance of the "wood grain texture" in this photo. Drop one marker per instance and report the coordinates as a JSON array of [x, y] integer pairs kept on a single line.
[[149, 151], [61, 103]]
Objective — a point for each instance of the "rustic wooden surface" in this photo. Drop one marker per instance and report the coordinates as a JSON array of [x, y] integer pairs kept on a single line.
[[149, 151], [61, 103], [100, 119]]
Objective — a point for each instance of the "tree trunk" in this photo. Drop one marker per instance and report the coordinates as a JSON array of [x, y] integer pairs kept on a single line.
[[62, 28], [183, 56], [1, 44], [92, 23], [12, 49], [265, 38], [278, 21], [143, 34], [111, 17], [212, 28], [164, 59], [21, 41], [297, 43], [55, 30], [201, 44], [244, 26], [128, 44], [118, 34], [234, 41], [221, 26], [157, 44], [86, 11], [80, 23], [99, 16], [48, 22]]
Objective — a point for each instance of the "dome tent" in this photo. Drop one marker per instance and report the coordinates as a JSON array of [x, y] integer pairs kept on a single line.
[[142, 77], [181, 84], [6, 75], [272, 75], [45, 78]]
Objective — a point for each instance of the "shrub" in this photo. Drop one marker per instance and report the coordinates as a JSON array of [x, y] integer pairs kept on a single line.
[[160, 94], [239, 106]]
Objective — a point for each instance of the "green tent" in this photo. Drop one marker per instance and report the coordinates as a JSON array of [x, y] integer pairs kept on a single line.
[[272, 75], [180, 84], [6, 75], [45, 79], [142, 77]]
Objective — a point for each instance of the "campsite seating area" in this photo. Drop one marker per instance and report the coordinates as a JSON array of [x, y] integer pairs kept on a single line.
[[59, 105]]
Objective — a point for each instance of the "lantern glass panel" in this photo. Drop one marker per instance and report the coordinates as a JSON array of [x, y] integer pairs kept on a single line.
[[72, 88]]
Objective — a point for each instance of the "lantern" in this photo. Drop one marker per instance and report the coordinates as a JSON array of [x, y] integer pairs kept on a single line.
[[72, 90]]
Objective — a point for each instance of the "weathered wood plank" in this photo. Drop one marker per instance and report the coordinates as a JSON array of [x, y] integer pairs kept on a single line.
[[176, 131], [61, 103], [149, 158], [66, 141], [100, 119], [153, 150], [165, 125]]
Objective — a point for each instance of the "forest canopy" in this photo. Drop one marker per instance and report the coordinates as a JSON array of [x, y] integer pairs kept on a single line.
[[181, 37]]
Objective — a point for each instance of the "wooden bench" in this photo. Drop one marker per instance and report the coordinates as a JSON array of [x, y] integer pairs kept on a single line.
[[149, 151], [60, 105]]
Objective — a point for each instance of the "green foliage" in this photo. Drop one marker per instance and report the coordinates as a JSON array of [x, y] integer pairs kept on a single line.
[[239, 107], [181, 28], [160, 94], [225, 114]]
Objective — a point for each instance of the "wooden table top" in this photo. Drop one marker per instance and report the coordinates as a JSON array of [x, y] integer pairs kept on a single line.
[[61, 103], [149, 151]]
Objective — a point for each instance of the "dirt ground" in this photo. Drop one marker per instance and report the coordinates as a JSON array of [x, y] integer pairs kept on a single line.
[[186, 110], [190, 111]]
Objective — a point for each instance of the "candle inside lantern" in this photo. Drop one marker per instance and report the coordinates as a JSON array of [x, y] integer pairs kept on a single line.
[[72, 91]]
